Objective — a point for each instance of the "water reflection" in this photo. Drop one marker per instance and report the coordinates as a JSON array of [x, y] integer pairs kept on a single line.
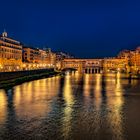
[[3, 107], [69, 101], [87, 86], [71, 107], [115, 106], [33, 99]]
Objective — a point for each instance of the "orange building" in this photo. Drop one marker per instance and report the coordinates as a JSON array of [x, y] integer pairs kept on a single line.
[[51, 58], [31, 55], [34, 58], [115, 64], [135, 60], [10, 53]]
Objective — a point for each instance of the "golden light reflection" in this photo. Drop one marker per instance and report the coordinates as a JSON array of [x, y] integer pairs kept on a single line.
[[87, 86], [110, 85], [98, 86], [77, 76], [98, 90], [118, 89], [3, 106], [69, 100], [34, 98], [115, 103]]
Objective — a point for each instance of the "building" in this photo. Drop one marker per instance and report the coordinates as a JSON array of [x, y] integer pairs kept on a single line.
[[28, 54], [15, 57], [84, 65], [135, 60], [10, 53], [115, 64], [61, 56], [50, 58], [34, 58], [31, 58]]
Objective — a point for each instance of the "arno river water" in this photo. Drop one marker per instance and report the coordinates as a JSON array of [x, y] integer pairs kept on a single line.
[[73, 107]]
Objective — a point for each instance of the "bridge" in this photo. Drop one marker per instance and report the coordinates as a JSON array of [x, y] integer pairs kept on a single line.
[[90, 66]]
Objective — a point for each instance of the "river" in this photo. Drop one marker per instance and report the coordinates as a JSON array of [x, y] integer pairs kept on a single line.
[[73, 107]]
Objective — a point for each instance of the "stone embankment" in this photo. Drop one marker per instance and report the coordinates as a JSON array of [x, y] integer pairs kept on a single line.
[[8, 79]]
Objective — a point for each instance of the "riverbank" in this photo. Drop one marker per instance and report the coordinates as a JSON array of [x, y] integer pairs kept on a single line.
[[26, 76]]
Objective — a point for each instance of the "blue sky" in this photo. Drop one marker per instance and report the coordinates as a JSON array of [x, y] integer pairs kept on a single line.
[[96, 28]]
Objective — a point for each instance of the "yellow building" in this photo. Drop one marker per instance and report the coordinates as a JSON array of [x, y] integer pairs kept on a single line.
[[137, 55], [115, 64], [34, 58], [51, 58], [28, 55], [135, 60], [10, 54]]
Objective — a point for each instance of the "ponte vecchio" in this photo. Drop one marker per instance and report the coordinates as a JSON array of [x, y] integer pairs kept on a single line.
[[92, 66]]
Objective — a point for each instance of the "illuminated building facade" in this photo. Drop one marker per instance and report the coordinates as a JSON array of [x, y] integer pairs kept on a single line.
[[89, 66], [34, 58], [127, 61], [60, 56], [33, 55], [115, 64], [96, 65], [133, 59], [14, 57], [51, 58], [28, 55], [10, 53]]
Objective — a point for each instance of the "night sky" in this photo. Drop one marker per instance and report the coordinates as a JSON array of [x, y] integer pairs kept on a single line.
[[96, 28]]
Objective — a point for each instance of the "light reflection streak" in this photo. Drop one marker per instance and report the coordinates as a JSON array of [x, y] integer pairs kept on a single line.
[[35, 102], [3, 107], [98, 90], [69, 100], [97, 101], [77, 76], [87, 86], [115, 103]]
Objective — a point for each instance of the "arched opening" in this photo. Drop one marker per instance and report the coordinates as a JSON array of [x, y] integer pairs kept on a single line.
[[92, 70], [85, 70], [95, 70], [99, 71], [89, 70]]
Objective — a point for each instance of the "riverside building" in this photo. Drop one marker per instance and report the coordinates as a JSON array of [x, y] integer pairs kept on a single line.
[[10, 53], [16, 57], [34, 58]]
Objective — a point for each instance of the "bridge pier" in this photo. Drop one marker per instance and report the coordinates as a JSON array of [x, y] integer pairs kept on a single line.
[[92, 70]]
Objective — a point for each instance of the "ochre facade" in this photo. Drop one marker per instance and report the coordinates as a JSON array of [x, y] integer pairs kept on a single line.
[[96, 65], [10, 54], [14, 57]]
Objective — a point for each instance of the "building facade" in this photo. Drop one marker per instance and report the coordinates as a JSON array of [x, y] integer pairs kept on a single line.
[[10, 53], [115, 64], [34, 58], [50, 58], [15, 57], [90, 66]]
